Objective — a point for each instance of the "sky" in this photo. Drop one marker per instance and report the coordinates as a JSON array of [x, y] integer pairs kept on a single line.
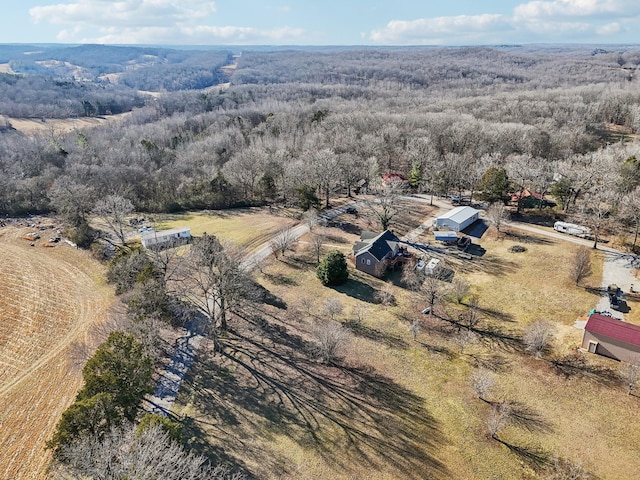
[[320, 22]]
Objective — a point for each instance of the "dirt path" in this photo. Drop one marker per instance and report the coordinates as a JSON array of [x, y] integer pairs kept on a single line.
[[50, 298]]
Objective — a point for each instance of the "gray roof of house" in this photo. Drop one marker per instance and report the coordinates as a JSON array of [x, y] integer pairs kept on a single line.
[[378, 246]]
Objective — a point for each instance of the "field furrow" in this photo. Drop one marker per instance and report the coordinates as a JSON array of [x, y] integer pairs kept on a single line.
[[49, 299]]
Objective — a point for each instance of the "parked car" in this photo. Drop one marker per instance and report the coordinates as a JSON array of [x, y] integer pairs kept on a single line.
[[352, 210], [426, 310]]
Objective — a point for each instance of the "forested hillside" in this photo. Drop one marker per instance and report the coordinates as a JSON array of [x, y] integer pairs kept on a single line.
[[321, 120], [88, 80]]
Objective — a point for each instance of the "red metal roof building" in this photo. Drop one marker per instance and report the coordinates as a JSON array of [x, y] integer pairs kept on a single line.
[[612, 338]]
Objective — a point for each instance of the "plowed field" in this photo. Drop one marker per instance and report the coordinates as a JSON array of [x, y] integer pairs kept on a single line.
[[50, 298]]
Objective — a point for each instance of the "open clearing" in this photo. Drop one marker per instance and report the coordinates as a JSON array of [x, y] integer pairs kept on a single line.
[[399, 408], [50, 298], [249, 227], [34, 126]]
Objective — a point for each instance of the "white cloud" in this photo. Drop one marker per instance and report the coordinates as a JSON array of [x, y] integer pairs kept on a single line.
[[398, 31], [534, 21], [152, 21], [576, 8], [124, 12], [185, 35]]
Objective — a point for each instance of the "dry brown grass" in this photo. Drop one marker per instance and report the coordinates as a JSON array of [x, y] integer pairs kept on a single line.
[[57, 126], [277, 412], [249, 227], [50, 298]]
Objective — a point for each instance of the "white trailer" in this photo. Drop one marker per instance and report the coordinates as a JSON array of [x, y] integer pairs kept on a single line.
[[572, 229]]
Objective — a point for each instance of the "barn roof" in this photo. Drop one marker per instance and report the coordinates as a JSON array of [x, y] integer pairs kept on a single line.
[[460, 214], [613, 328]]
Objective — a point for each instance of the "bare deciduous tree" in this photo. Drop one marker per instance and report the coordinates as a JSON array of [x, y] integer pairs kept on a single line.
[[332, 307], [358, 313], [499, 417], [411, 278], [433, 290], [537, 337], [331, 341], [471, 316], [464, 338], [630, 376], [631, 213], [130, 453], [211, 279], [311, 218], [415, 328], [581, 265], [283, 241], [386, 206], [317, 240], [497, 215], [460, 289], [112, 212], [563, 469], [385, 296], [482, 382]]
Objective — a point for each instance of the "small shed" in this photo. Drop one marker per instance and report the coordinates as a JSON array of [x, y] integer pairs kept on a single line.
[[612, 338], [166, 238], [458, 218], [446, 236], [432, 266]]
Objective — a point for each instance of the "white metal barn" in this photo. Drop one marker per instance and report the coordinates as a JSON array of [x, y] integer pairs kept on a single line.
[[165, 238], [458, 219]]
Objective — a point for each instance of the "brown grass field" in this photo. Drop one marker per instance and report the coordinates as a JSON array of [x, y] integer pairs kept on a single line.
[[33, 126], [249, 227], [50, 298], [399, 408]]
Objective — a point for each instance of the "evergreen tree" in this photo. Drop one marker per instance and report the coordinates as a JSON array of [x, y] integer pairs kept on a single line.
[[332, 270]]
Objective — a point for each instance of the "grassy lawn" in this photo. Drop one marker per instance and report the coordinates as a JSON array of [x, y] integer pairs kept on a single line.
[[249, 227], [395, 407]]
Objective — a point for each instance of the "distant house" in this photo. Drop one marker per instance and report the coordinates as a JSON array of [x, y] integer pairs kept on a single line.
[[612, 338], [458, 218], [527, 199], [394, 180], [166, 238], [375, 252]]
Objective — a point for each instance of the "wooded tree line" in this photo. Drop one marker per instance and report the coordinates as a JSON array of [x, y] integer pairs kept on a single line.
[[255, 143]]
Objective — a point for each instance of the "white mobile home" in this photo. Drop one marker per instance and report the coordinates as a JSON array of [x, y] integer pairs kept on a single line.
[[166, 238], [572, 229], [458, 219]]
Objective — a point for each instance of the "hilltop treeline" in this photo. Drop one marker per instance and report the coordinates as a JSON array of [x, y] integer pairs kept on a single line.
[[450, 69]]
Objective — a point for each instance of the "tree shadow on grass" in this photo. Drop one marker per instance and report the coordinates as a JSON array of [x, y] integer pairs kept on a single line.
[[376, 335], [575, 365], [194, 437], [530, 238], [492, 361], [496, 314], [357, 289], [489, 333], [352, 417], [533, 455]]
